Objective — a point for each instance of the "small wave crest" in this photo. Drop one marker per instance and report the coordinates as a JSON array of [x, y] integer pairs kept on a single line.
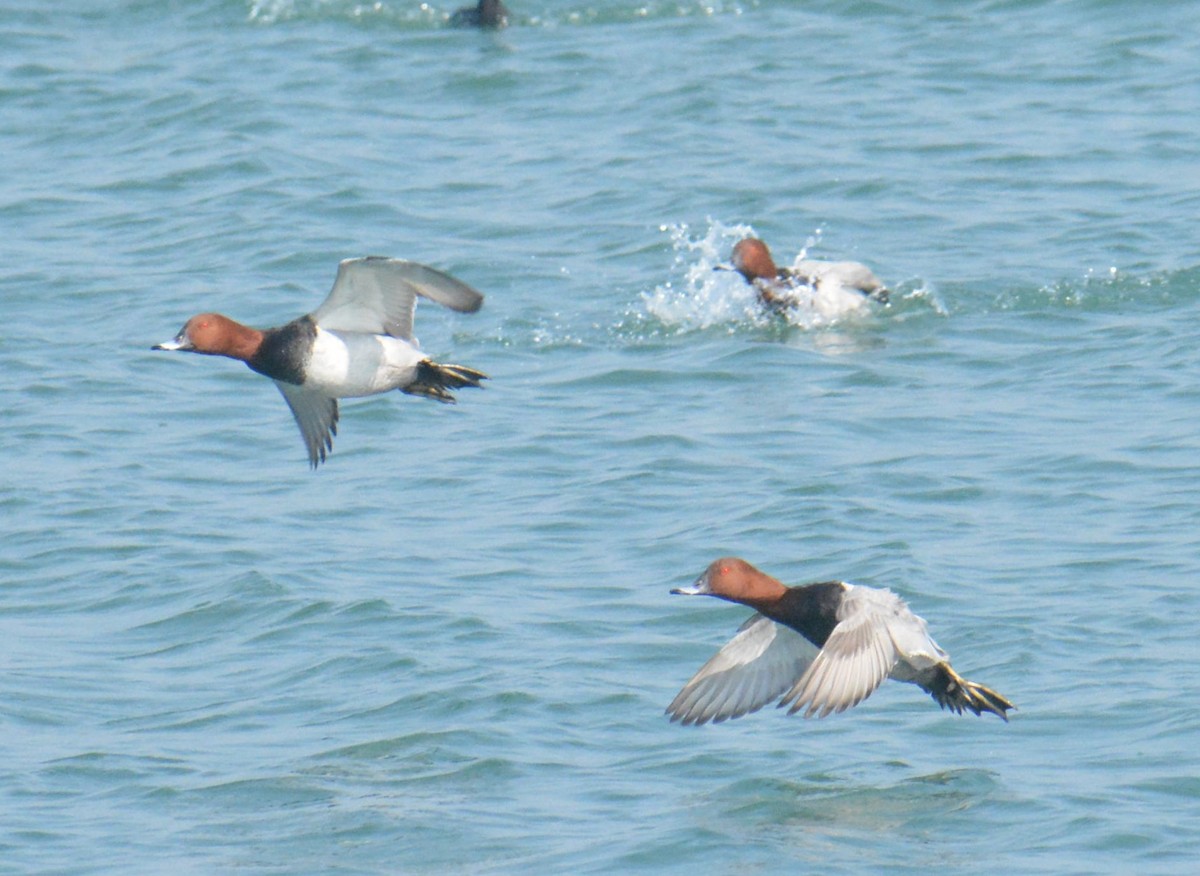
[[1103, 289], [275, 11], [536, 15]]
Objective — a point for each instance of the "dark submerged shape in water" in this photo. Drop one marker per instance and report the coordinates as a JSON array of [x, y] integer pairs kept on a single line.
[[487, 14]]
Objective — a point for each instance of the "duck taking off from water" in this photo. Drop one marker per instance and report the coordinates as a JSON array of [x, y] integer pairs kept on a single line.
[[817, 648], [836, 286]]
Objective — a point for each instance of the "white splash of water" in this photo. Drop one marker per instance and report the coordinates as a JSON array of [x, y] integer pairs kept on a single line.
[[703, 297], [920, 292], [706, 297], [274, 11]]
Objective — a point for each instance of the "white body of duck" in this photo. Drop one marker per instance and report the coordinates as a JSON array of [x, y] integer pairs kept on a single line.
[[827, 289]]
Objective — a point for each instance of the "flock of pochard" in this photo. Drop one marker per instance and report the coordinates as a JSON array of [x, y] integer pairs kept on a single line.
[[816, 648]]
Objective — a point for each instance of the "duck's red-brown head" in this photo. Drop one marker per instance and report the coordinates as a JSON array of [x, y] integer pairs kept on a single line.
[[752, 259], [215, 335], [735, 580]]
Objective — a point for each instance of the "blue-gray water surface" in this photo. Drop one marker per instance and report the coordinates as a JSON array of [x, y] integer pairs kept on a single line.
[[448, 650]]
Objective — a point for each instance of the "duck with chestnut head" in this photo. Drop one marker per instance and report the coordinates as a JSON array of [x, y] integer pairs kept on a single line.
[[817, 649], [833, 288]]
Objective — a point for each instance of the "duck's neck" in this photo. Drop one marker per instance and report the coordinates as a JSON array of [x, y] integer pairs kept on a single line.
[[240, 342], [761, 592]]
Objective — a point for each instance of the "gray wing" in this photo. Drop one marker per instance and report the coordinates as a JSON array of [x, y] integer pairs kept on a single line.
[[317, 417], [378, 295], [855, 659], [755, 667]]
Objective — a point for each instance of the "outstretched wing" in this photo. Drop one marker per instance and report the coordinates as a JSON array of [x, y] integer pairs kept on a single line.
[[855, 659], [753, 668], [378, 295], [317, 417]]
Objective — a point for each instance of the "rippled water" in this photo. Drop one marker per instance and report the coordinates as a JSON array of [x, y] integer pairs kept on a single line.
[[449, 649]]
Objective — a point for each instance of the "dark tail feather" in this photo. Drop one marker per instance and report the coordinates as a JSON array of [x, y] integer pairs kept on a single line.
[[951, 691], [435, 381]]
